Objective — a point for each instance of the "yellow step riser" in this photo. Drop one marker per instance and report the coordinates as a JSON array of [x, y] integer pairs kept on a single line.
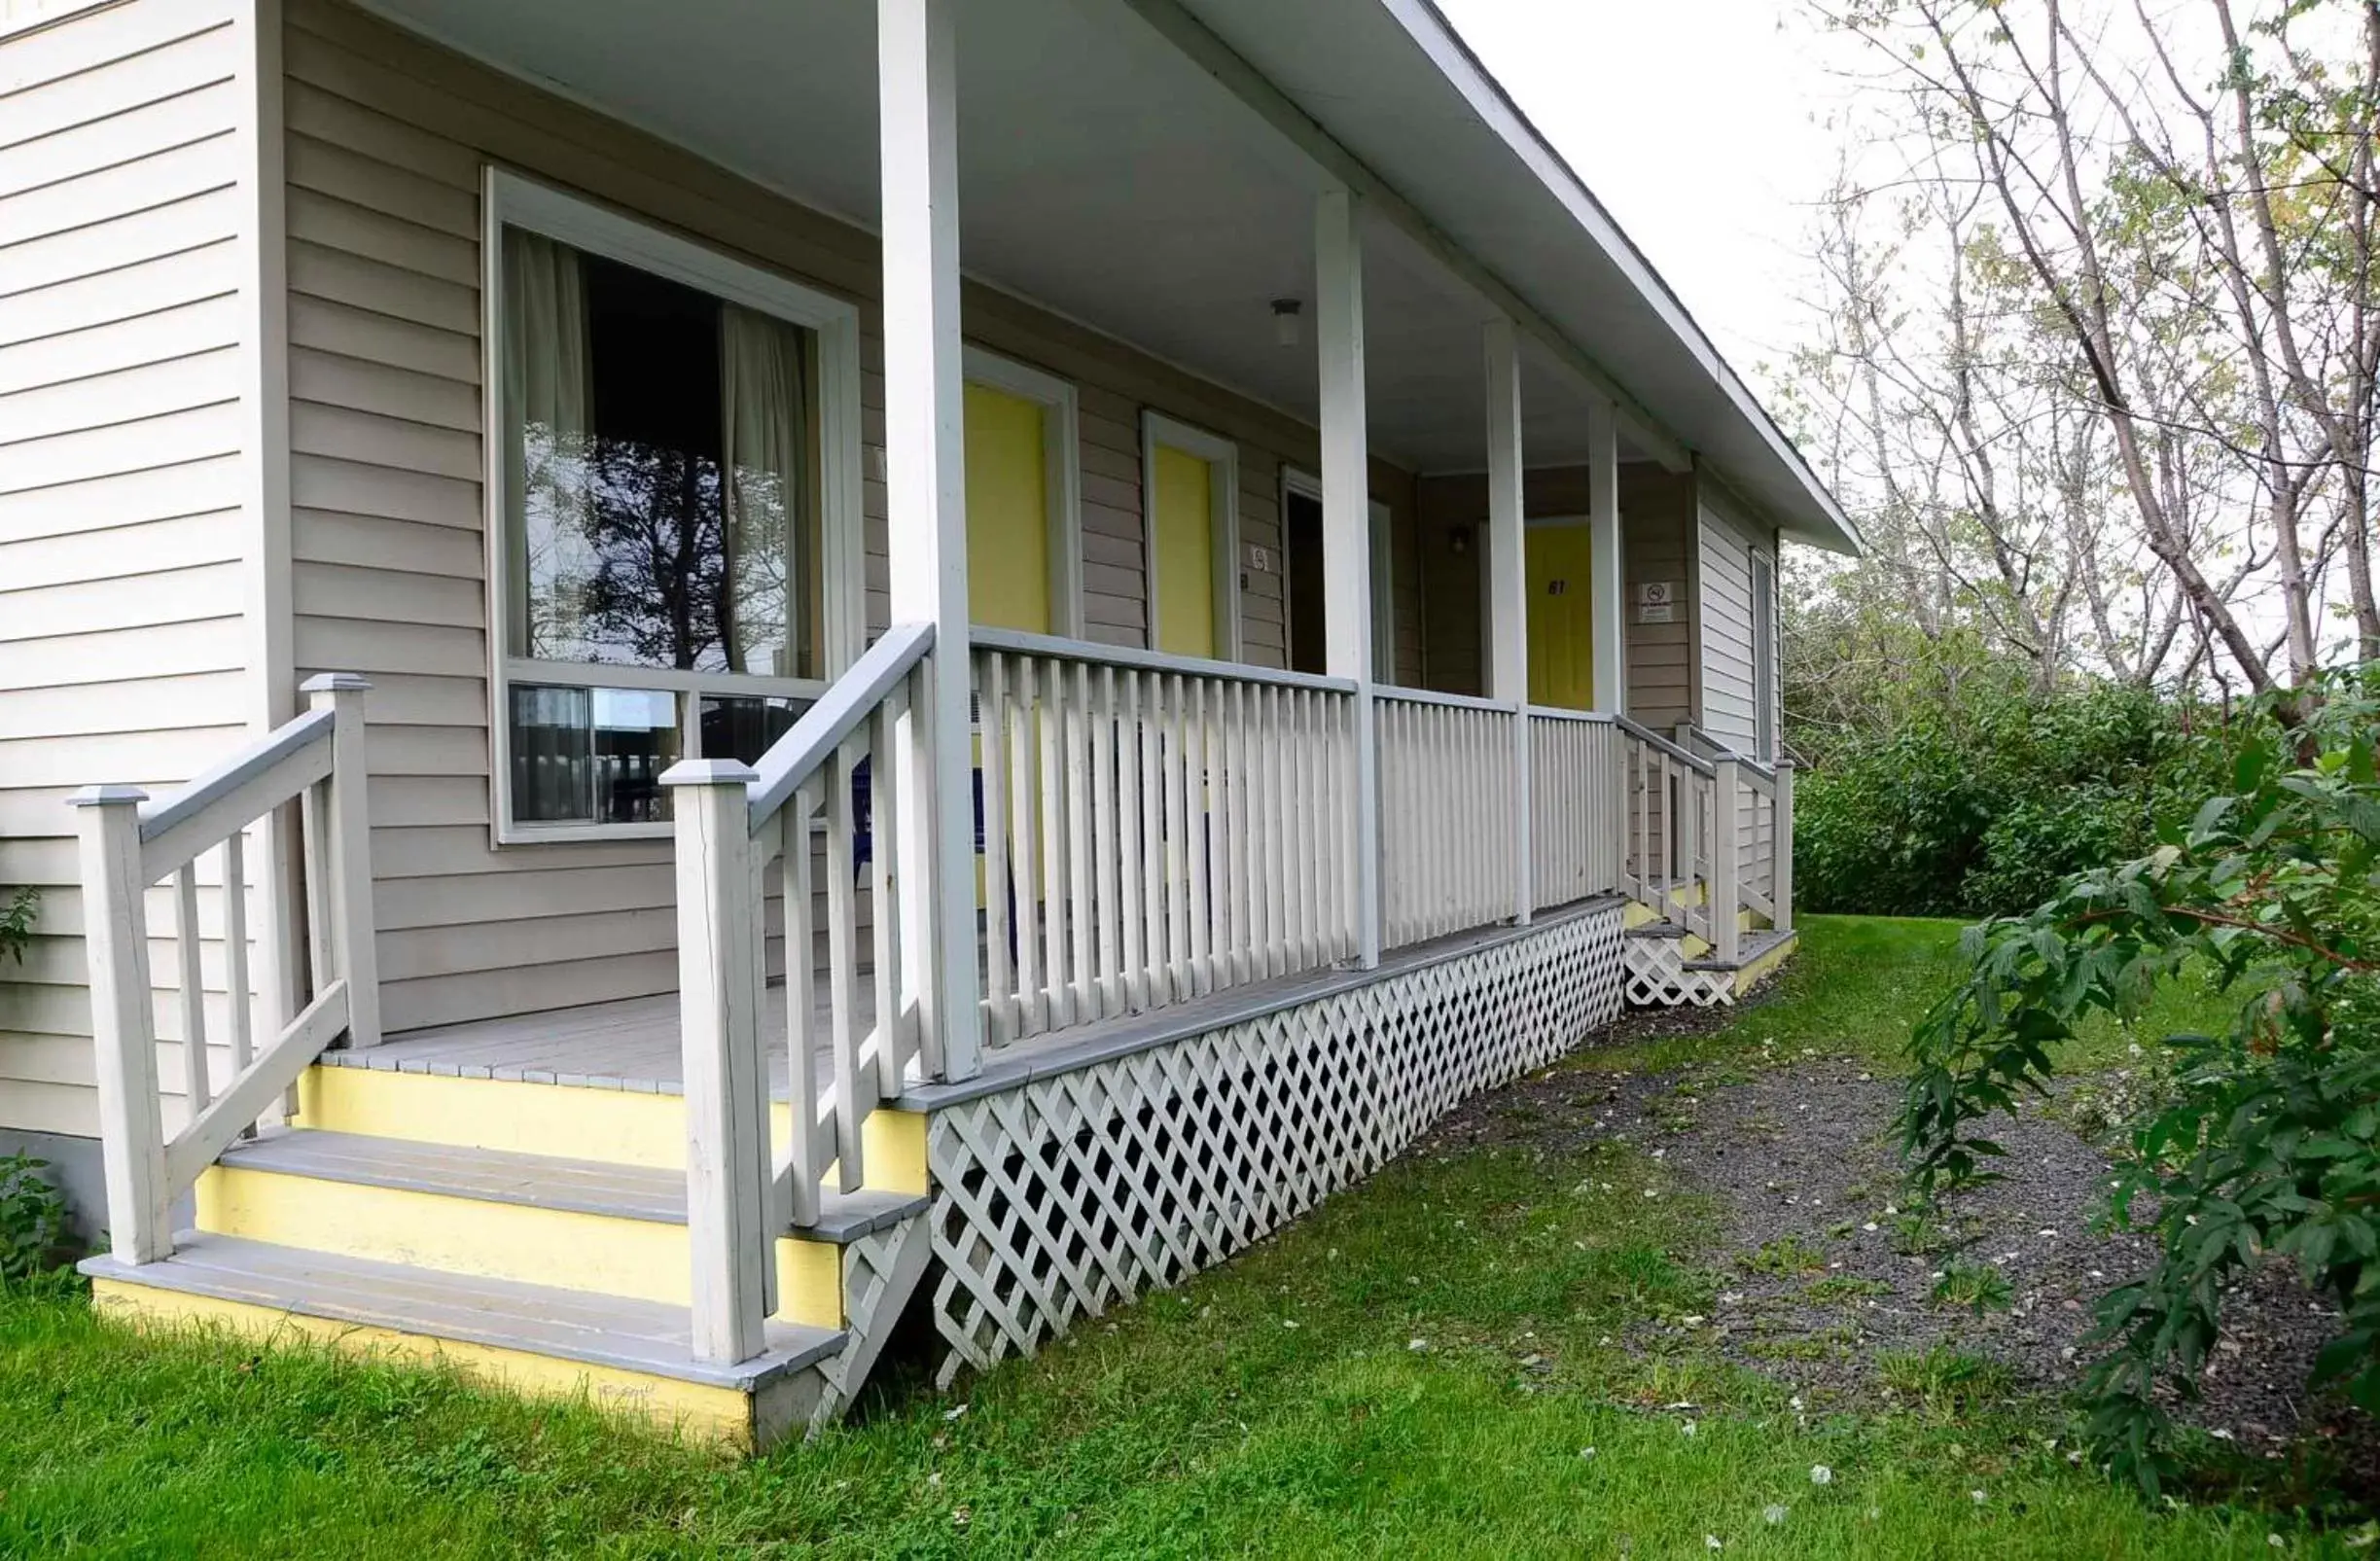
[[700, 1411], [620, 1127], [643, 1260]]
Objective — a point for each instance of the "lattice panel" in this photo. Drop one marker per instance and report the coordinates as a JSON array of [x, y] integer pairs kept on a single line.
[[1066, 1195], [880, 1273], [1657, 977]]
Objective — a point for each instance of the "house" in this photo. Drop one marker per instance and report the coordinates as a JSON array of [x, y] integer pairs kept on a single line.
[[678, 676]]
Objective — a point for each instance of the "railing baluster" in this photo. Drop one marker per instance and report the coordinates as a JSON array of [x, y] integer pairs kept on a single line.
[[1131, 893], [236, 955], [843, 957], [1052, 721], [892, 1018], [1152, 839], [1025, 857], [800, 1005], [1195, 764], [1081, 912], [1000, 957], [1111, 984], [191, 977]]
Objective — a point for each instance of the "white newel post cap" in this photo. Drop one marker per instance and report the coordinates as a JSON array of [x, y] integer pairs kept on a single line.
[[709, 772], [108, 797], [335, 683]]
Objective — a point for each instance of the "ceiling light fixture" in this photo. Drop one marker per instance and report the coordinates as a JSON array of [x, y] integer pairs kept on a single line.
[[1286, 314]]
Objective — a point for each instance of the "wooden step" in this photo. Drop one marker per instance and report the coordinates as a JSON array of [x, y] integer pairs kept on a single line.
[[529, 1218], [629, 1355], [1750, 949], [617, 1124], [538, 1181]]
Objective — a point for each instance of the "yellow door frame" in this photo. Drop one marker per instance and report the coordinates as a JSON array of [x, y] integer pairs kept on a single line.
[[1222, 458], [1536, 524], [1061, 473]]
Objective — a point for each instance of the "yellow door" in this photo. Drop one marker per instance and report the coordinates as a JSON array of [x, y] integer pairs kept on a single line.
[[1561, 630], [1182, 495], [1008, 513]]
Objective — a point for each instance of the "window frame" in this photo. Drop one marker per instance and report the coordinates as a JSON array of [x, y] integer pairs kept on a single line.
[[1766, 653], [1061, 470], [1221, 456], [511, 200]]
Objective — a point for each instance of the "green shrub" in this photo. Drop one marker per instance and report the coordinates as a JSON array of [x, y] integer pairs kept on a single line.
[[2261, 1141], [32, 1219], [1983, 802], [16, 925]]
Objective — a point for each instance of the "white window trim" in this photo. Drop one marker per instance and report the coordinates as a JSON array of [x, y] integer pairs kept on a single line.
[[511, 200], [1061, 469], [1381, 571], [1221, 456], [1767, 695]]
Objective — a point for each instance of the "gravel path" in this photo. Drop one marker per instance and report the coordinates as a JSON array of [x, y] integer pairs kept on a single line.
[[1825, 1282]]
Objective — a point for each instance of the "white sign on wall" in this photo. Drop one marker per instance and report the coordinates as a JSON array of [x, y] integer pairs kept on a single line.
[[1652, 601]]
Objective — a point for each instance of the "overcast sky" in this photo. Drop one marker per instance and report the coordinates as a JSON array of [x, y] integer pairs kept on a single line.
[[1699, 124]]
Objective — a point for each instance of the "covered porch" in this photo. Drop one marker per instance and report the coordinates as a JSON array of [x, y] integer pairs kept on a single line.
[[1104, 777]]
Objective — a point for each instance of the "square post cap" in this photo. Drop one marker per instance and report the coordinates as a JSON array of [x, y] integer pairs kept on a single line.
[[709, 772], [108, 797], [335, 683]]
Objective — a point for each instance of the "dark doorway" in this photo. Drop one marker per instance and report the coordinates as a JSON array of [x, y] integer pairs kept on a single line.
[[1302, 550]]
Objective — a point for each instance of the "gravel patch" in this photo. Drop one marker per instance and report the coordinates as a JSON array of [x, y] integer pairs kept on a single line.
[[1826, 1282]]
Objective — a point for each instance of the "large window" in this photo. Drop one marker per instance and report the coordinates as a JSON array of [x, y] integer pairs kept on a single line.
[[673, 441]]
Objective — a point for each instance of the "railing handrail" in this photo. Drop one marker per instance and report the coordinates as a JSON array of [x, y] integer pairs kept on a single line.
[[792, 758], [1017, 642], [1451, 701], [131, 843], [202, 814], [1663, 745], [1550, 712], [1754, 765]]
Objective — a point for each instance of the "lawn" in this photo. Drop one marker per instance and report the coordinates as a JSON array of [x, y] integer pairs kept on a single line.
[[1450, 1360]]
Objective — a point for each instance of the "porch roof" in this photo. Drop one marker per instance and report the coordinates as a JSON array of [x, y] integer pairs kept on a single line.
[[1148, 169]]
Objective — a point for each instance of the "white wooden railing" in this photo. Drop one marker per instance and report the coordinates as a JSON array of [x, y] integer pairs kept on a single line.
[[1153, 827], [1763, 810], [1575, 813], [748, 833], [1670, 828], [1446, 796], [130, 843]]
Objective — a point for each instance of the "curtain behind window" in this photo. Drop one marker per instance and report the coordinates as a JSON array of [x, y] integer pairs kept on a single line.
[[548, 379], [765, 422]]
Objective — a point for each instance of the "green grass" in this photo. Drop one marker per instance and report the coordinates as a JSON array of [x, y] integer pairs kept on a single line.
[[1279, 1406], [1855, 989]]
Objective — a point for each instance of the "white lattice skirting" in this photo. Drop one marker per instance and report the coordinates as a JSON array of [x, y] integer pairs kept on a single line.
[[1067, 1195], [1657, 977]]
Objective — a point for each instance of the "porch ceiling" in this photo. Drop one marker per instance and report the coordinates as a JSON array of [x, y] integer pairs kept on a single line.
[[1103, 174]]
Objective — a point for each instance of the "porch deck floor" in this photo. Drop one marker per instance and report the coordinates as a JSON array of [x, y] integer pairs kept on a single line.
[[633, 1044]]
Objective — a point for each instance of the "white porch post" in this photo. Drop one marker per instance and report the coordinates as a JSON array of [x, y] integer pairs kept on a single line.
[[730, 1234], [1508, 589], [1346, 527], [926, 491], [124, 1038], [1609, 570]]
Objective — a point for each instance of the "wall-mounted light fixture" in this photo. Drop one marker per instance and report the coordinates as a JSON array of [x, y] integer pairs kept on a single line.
[[1287, 315]]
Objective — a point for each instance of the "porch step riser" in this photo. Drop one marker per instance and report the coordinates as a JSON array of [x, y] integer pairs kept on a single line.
[[642, 1260], [623, 1127], [745, 1420]]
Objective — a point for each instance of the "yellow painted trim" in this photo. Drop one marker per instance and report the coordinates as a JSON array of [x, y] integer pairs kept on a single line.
[[1638, 915], [697, 1410], [1181, 495], [1008, 512], [894, 1143], [810, 1282], [1746, 976], [618, 1125], [645, 1259]]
